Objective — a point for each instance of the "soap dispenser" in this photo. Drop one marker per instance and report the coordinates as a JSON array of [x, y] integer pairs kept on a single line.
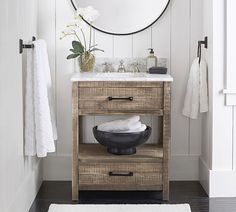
[[151, 59]]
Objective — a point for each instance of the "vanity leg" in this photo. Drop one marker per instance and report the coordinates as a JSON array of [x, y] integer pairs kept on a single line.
[[75, 140], [166, 140]]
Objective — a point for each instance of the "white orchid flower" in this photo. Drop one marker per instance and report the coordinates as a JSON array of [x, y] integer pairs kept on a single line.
[[70, 29], [76, 29]]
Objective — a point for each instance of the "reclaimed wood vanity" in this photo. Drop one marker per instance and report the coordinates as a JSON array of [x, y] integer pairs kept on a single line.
[[95, 169]]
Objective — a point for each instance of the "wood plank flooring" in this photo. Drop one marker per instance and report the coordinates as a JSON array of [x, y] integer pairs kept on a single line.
[[180, 192]]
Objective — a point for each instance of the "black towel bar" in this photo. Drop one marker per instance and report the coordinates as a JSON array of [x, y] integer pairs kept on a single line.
[[25, 46]]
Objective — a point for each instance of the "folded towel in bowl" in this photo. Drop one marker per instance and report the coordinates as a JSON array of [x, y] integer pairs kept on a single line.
[[121, 125], [140, 129]]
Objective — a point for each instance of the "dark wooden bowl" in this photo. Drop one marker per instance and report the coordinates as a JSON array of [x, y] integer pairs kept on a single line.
[[122, 143]]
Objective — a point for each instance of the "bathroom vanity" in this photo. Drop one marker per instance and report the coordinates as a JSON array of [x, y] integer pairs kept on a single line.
[[121, 94]]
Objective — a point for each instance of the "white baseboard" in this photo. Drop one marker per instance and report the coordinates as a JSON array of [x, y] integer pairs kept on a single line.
[[183, 167], [204, 174], [28, 190], [217, 183], [222, 183]]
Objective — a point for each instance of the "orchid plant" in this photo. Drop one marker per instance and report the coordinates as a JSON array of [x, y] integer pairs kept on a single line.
[[80, 48]]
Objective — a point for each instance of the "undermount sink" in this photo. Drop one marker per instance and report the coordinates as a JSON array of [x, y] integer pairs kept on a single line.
[[123, 75]]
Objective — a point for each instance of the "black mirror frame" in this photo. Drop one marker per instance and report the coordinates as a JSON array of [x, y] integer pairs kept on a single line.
[[122, 34]]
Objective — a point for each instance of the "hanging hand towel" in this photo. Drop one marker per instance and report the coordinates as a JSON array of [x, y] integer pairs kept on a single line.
[[197, 93], [40, 127], [191, 101]]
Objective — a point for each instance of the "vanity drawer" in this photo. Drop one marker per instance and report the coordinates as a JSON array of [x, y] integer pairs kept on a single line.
[[121, 99], [120, 176], [101, 93]]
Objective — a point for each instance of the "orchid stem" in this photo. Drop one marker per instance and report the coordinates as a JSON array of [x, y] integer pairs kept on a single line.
[[84, 40], [77, 36]]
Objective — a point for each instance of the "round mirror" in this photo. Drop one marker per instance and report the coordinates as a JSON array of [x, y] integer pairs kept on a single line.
[[124, 17]]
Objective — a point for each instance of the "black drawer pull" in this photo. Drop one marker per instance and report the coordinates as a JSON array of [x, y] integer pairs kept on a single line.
[[121, 174], [110, 98]]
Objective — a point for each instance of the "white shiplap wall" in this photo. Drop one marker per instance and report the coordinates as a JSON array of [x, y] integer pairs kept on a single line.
[[174, 37]]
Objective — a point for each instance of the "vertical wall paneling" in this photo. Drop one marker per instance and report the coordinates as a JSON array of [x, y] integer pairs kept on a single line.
[[231, 46], [222, 122], [3, 64], [161, 33], [179, 70], [104, 42], [141, 42], [88, 124], [64, 69], [234, 138], [195, 35], [173, 37], [122, 46], [206, 148], [13, 63]]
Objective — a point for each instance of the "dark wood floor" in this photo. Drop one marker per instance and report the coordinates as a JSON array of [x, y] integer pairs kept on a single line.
[[180, 192]]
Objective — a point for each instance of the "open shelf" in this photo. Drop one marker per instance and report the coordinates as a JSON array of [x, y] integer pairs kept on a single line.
[[148, 153]]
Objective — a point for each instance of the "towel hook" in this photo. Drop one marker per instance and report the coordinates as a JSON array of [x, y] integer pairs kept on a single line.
[[204, 42], [25, 46], [199, 49]]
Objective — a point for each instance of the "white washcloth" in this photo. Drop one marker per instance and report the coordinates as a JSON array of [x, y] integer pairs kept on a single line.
[[121, 125], [196, 93], [140, 129], [40, 127]]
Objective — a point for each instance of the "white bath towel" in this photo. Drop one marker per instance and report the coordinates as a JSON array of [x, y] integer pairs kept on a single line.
[[140, 129], [40, 127], [121, 125], [196, 94]]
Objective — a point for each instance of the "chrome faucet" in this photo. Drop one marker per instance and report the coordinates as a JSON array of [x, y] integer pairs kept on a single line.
[[121, 68]]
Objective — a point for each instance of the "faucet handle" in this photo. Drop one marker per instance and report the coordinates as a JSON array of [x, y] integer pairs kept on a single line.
[[136, 66], [105, 64], [107, 67]]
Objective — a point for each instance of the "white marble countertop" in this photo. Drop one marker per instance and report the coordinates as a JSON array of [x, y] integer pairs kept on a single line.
[[121, 77]]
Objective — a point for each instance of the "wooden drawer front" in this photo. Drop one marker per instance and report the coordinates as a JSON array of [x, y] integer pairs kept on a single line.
[[120, 176], [143, 99]]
